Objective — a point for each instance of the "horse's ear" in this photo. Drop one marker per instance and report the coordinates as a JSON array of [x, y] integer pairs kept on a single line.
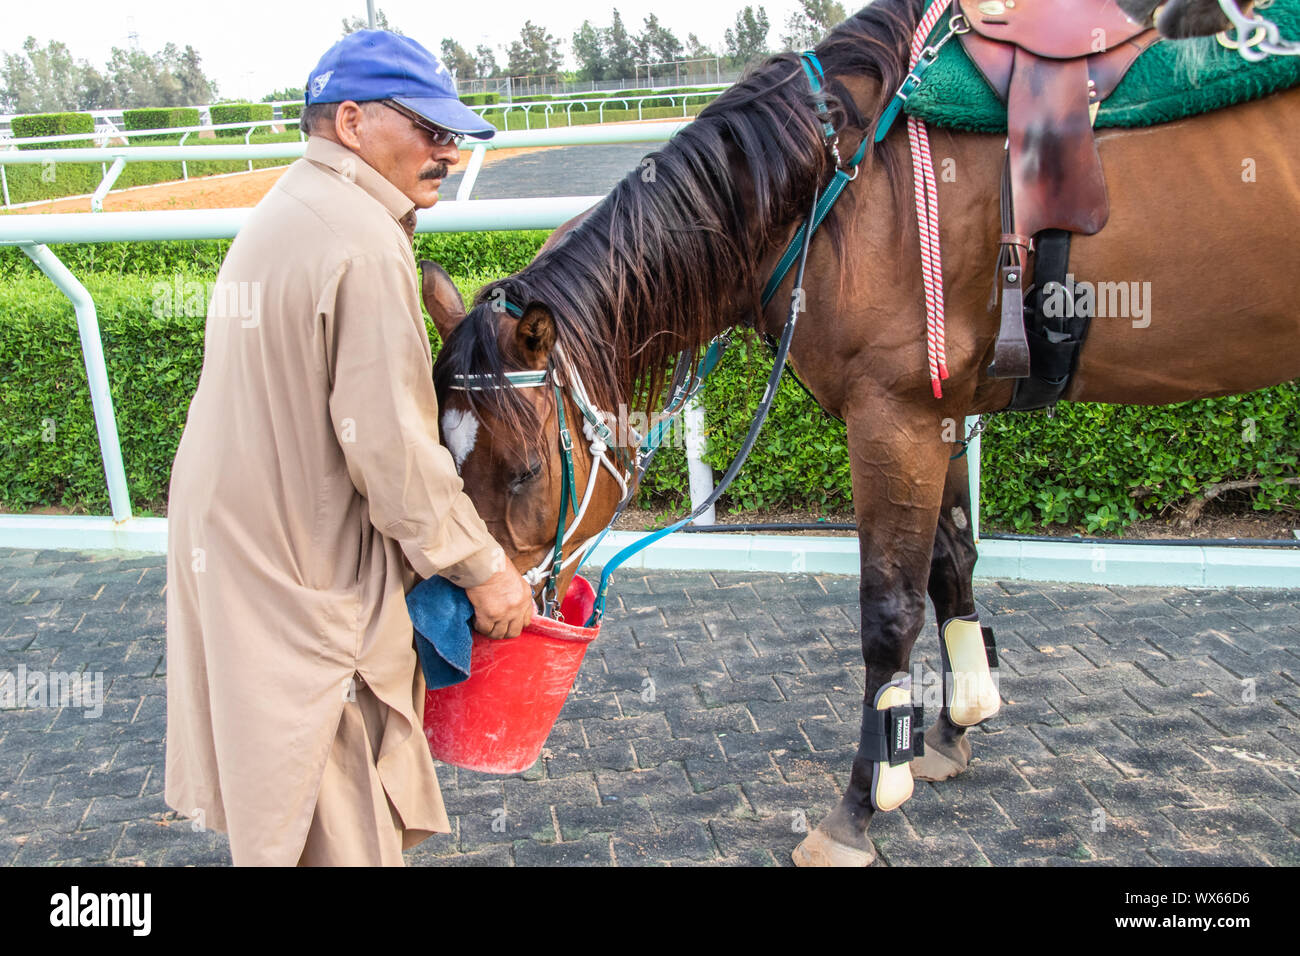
[[535, 337], [441, 297]]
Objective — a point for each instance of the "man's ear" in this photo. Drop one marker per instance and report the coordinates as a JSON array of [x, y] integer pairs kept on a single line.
[[441, 297], [535, 337]]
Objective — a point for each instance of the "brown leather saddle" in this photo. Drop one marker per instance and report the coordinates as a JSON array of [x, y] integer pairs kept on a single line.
[[1052, 62]]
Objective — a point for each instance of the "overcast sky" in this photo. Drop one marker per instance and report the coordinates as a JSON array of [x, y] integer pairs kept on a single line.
[[253, 46]]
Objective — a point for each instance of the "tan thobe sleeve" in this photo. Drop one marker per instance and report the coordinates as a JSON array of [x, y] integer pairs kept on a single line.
[[385, 416]]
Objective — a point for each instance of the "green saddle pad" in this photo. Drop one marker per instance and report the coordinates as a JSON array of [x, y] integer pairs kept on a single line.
[[1172, 80]]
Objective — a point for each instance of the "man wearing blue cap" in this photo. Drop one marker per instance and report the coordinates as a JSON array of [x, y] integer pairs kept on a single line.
[[309, 492]]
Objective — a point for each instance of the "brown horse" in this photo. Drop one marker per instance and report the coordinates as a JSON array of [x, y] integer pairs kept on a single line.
[[666, 261]]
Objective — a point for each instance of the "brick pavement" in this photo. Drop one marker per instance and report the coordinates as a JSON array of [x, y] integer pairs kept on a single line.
[[717, 714]]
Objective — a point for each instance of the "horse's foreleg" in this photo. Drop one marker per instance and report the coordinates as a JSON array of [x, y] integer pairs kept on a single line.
[[952, 566], [898, 463]]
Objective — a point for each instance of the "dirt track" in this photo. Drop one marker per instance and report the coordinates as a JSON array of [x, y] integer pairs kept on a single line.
[[212, 192]]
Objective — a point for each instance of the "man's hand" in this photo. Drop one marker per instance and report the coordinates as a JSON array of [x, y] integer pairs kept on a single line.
[[503, 604]]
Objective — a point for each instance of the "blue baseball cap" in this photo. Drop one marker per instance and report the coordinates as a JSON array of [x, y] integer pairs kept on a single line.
[[379, 65]]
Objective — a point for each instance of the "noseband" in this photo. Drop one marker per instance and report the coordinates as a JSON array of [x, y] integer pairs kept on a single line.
[[600, 441]]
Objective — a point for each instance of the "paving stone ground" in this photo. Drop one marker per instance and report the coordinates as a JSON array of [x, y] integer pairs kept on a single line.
[[717, 714]]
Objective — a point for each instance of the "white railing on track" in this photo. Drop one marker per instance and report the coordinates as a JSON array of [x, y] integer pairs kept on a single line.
[[34, 232], [112, 167], [126, 134], [114, 158], [1043, 561], [547, 107]]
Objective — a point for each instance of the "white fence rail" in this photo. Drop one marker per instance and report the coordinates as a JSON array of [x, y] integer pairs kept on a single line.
[[126, 134], [548, 107], [113, 162], [114, 158], [1048, 561], [33, 233]]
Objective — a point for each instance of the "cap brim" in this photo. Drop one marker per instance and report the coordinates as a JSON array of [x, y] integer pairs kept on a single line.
[[450, 114]]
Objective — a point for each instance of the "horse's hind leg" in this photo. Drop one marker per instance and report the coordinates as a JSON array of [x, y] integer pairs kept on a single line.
[[898, 464], [952, 567]]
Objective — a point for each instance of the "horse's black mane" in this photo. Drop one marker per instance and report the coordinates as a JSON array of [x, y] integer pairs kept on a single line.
[[672, 255]]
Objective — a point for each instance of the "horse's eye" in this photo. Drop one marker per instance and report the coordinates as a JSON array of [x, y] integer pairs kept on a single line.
[[522, 478]]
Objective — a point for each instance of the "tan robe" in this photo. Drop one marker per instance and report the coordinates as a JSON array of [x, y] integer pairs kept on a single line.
[[308, 490]]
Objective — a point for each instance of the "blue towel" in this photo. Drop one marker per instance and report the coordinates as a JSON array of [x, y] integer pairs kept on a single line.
[[440, 613]]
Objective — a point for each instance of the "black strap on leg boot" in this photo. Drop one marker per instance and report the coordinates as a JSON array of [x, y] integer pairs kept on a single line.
[[893, 736]]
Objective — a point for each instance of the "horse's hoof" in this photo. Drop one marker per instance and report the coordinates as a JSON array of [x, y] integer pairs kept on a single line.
[[942, 761], [818, 849]]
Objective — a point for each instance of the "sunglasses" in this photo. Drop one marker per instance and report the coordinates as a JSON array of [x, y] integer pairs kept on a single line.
[[440, 136]]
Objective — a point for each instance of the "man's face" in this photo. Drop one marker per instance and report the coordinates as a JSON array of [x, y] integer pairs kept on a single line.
[[400, 149]]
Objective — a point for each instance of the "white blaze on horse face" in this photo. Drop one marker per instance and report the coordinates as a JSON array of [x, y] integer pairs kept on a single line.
[[459, 431]]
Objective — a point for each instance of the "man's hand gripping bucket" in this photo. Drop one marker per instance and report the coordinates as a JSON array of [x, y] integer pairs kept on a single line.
[[498, 719]]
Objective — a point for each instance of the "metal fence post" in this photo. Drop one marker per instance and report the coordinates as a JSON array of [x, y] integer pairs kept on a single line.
[[973, 473], [701, 475], [92, 349], [471, 172], [105, 184]]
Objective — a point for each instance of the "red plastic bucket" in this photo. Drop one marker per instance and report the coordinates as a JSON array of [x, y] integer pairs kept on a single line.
[[498, 719]]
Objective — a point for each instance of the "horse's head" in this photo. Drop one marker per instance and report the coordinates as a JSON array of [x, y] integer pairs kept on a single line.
[[502, 385]]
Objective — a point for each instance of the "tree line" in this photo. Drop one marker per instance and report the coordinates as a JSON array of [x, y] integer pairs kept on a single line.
[[615, 51], [48, 79]]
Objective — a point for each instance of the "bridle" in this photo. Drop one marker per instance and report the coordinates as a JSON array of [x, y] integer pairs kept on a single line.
[[688, 380], [1255, 37], [600, 444]]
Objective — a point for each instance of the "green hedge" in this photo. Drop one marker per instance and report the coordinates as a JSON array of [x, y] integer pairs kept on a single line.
[[47, 431], [1101, 467], [239, 113], [480, 99], [31, 183], [158, 119], [49, 449], [488, 254], [291, 110], [53, 124], [1095, 468]]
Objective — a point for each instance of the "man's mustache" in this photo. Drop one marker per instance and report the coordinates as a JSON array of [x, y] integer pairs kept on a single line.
[[435, 172]]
